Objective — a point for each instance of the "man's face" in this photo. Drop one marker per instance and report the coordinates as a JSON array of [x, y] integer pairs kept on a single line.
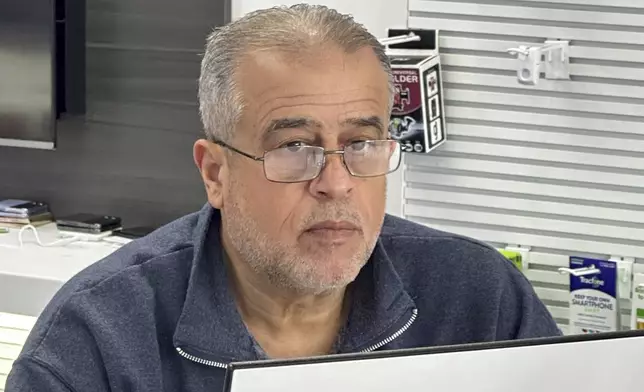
[[321, 100]]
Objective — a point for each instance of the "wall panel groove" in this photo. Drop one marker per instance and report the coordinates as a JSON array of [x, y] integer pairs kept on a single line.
[[557, 166]]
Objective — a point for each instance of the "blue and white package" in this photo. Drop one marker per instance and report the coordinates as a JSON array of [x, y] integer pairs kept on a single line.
[[594, 305]]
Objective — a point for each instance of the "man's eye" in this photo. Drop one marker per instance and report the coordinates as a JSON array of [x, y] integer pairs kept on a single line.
[[359, 145], [294, 146]]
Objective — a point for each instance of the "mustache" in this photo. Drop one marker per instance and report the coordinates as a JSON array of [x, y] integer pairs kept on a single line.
[[332, 213]]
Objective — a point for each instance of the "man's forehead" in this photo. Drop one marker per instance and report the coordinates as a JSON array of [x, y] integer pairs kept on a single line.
[[341, 87], [326, 71], [309, 57]]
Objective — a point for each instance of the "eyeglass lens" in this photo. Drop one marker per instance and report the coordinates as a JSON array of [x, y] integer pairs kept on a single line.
[[293, 164], [302, 163]]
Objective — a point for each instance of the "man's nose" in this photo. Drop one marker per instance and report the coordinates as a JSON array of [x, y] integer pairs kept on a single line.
[[334, 181]]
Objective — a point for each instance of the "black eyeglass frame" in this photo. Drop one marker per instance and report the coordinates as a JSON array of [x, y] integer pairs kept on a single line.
[[325, 152]]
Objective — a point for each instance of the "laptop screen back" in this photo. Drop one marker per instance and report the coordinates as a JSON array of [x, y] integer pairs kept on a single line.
[[566, 364]]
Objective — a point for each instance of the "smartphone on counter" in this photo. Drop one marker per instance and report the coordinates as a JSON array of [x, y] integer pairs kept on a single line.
[[88, 223]]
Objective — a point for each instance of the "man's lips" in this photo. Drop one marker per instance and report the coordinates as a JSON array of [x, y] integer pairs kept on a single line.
[[333, 226], [333, 232]]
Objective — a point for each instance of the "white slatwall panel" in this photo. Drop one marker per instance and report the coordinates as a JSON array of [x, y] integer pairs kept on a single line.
[[14, 330], [558, 167]]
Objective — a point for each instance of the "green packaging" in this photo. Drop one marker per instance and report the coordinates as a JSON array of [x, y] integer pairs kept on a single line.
[[515, 257]]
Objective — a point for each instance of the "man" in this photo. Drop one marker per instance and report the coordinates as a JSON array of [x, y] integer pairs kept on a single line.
[[293, 255]]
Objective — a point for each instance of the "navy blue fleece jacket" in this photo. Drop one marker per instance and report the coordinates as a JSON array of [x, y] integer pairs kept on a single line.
[[157, 315]]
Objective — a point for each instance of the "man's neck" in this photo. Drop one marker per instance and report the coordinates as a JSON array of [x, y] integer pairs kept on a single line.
[[287, 324]]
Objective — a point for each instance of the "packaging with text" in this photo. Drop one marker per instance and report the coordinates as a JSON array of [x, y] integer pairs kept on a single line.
[[594, 304], [417, 118], [637, 315]]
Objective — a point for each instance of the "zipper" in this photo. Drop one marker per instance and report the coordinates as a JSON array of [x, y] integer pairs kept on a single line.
[[395, 335], [414, 315], [201, 360]]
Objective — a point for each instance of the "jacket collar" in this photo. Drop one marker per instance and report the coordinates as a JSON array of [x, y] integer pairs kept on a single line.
[[211, 328]]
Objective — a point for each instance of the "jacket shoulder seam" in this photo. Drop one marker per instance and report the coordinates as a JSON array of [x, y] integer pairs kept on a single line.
[[48, 367], [75, 294], [137, 265]]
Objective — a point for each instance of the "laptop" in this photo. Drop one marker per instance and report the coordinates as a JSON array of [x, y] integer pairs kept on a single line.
[[589, 363]]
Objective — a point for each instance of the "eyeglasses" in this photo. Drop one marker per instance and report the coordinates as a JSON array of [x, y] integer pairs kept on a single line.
[[368, 158]]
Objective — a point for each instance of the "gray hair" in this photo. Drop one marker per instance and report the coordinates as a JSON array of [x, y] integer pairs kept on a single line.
[[283, 28]]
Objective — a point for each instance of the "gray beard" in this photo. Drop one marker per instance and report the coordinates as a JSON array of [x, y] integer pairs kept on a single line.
[[281, 264]]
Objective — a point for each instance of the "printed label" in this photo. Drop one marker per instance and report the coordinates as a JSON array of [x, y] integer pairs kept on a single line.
[[637, 314], [434, 110], [594, 306], [432, 83], [407, 123], [407, 97], [435, 132], [434, 107]]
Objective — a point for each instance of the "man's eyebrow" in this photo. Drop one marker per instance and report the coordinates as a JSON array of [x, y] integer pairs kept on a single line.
[[290, 123], [364, 122]]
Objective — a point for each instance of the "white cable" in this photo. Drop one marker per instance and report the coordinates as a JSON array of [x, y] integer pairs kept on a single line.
[[68, 238], [60, 242]]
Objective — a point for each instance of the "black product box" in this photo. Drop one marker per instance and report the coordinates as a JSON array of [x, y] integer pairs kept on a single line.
[[418, 116]]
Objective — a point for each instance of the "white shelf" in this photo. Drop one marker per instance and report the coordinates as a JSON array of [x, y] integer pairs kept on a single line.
[[14, 330]]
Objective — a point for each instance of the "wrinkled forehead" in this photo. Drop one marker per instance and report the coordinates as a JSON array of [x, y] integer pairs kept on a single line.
[[325, 90]]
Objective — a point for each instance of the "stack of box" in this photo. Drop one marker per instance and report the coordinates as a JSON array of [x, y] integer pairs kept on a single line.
[[16, 213]]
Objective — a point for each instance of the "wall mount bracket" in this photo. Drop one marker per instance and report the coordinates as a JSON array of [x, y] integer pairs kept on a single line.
[[553, 58]]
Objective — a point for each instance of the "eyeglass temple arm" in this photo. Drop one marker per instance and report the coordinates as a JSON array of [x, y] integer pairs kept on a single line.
[[240, 152]]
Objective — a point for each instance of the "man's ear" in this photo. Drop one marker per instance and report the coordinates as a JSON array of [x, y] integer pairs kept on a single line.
[[210, 160]]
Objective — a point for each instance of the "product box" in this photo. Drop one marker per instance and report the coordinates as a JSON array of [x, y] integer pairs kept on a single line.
[[594, 304], [418, 115], [637, 315], [515, 257]]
